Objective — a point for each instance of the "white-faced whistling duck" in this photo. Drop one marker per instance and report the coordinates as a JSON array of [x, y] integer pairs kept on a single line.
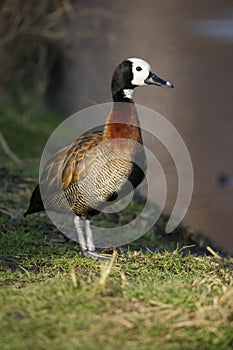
[[89, 173]]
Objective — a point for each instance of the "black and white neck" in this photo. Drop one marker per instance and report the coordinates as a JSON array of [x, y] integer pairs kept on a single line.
[[124, 95]]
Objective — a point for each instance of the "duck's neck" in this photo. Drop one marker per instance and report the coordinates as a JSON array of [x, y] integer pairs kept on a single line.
[[122, 121]]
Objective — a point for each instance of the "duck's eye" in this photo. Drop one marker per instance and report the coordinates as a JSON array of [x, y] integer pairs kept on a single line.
[[138, 68]]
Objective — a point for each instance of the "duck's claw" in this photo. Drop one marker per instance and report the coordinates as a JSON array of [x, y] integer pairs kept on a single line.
[[96, 255]]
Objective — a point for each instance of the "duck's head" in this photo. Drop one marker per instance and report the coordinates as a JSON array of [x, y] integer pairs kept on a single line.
[[131, 73]]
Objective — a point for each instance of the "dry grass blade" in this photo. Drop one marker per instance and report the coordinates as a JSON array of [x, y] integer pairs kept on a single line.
[[106, 268], [7, 150], [211, 316], [213, 253], [73, 277]]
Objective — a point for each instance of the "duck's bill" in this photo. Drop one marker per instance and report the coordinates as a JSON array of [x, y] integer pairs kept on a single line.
[[155, 80]]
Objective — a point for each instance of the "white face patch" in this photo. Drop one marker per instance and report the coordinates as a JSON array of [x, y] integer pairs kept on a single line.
[[141, 70], [128, 93]]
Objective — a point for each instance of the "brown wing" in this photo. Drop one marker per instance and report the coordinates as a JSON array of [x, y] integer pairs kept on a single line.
[[72, 163]]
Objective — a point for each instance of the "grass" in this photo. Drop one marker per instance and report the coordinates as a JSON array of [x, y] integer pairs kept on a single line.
[[53, 297], [25, 122]]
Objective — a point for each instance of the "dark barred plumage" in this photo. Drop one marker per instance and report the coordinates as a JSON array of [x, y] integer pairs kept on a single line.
[[95, 169]]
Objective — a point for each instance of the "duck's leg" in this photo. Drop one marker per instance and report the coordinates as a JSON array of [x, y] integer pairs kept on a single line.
[[89, 235], [86, 244], [80, 232], [90, 242]]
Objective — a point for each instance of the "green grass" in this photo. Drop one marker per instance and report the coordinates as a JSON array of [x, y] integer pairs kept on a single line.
[[147, 301], [25, 122], [53, 297]]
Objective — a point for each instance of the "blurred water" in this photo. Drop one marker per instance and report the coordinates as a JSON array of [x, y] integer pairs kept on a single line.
[[191, 44], [219, 28]]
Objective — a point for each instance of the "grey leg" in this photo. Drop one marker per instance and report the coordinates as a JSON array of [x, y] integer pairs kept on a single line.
[[80, 232], [87, 245], [89, 236], [90, 243]]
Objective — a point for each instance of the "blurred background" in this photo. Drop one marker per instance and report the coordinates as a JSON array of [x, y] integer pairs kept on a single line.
[[57, 57]]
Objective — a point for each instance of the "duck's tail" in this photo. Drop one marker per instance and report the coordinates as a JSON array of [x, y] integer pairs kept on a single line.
[[36, 203]]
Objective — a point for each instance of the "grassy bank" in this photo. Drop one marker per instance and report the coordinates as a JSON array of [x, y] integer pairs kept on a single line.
[[53, 297]]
